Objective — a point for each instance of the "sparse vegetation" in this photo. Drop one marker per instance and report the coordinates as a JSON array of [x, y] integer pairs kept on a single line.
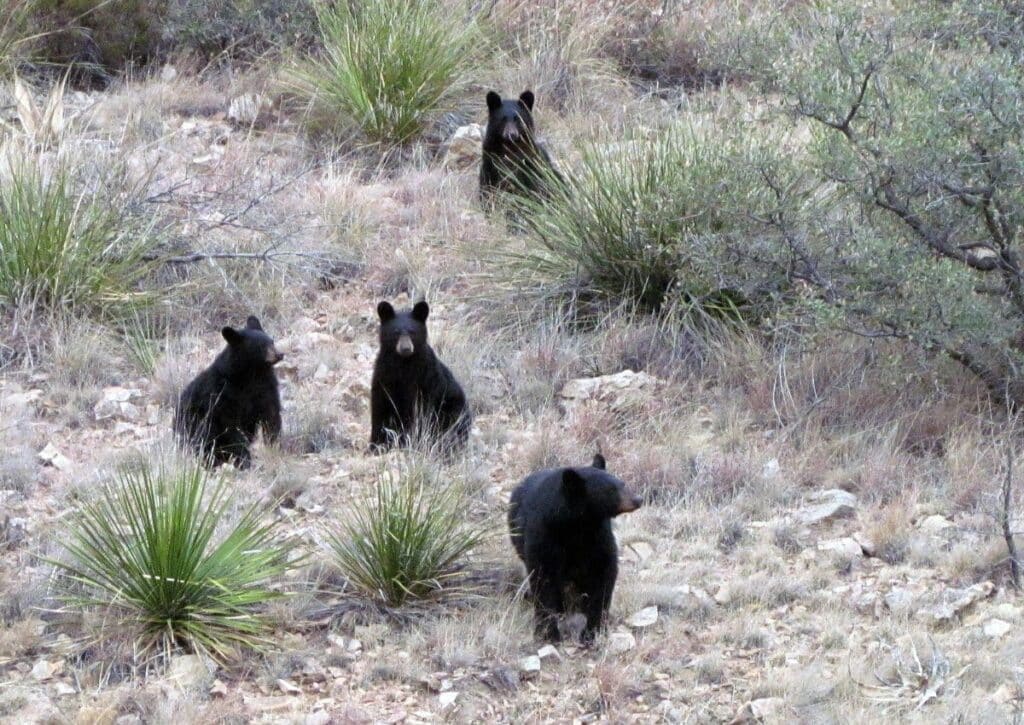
[[410, 542], [157, 550]]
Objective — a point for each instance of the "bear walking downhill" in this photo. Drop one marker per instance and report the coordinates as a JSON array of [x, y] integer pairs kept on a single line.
[[560, 522]]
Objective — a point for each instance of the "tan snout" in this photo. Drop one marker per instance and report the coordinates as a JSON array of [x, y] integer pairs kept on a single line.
[[510, 132], [405, 348], [629, 503], [273, 356]]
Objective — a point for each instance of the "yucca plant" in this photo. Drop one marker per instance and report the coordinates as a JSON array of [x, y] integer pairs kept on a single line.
[[64, 249], [645, 222], [14, 35], [153, 548], [386, 67], [408, 542]]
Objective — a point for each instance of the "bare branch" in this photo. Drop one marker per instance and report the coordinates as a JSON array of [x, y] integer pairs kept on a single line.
[[1011, 544]]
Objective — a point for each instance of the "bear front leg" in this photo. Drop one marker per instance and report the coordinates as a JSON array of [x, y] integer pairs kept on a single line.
[[598, 599], [233, 447], [548, 602], [379, 440], [272, 427]]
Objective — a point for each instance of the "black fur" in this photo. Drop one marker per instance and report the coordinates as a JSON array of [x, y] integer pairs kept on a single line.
[[412, 390], [220, 410], [560, 525], [512, 159]]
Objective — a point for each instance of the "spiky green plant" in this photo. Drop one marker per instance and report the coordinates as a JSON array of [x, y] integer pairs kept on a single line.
[[386, 67], [63, 249], [153, 547], [407, 544], [646, 222], [14, 33]]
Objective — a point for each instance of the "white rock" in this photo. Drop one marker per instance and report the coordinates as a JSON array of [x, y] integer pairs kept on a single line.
[[168, 73], [934, 524], [43, 670], [288, 687], [621, 391], [827, 506], [770, 469], [619, 642], [50, 455], [644, 618], [530, 664], [996, 628], [845, 546], [447, 699], [867, 546], [548, 650], [958, 601], [465, 146]]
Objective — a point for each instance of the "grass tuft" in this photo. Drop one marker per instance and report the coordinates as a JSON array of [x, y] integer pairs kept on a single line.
[[386, 68], [154, 547], [408, 543], [63, 250]]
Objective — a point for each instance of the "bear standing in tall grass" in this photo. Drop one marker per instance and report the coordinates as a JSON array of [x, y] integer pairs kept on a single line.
[[560, 520], [512, 159], [220, 410], [412, 391]]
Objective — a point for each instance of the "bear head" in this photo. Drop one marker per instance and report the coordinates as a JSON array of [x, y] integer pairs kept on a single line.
[[509, 122], [404, 333], [593, 493], [251, 346]]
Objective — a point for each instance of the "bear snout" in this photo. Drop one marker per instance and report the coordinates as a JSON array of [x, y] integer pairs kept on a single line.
[[405, 348], [628, 502], [510, 132], [273, 356]]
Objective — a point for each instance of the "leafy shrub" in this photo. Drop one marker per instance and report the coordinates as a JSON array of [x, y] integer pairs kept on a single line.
[[650, 222], [386, 67], [407, 544], [238, 28], [153, 546], [62, 249], [916, 119]]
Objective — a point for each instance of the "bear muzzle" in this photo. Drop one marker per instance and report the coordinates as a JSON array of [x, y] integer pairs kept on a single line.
[[273, 356], [629, 503], [405, 348], [511, 132]]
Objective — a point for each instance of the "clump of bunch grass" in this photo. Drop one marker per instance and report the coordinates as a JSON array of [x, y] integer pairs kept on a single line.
[[408, 543], [647, 222], [154, 548], [386, 67], [62, 249]]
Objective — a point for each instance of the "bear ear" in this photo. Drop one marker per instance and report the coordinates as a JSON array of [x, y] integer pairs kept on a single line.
[[420, 311], [526, 98], [493, 101], [385, 312], [232, 335], [573, 484], [598, 461], [253, 323]]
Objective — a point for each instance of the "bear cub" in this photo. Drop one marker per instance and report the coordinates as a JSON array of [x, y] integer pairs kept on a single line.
[[220, 410], [412, 391], [512, 159], [560, 522]]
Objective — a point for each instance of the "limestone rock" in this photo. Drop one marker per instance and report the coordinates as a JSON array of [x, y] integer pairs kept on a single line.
[[764, 710], [190, 671], [465, 147], [846, 547], [996, 628], [622, 391], [829, 505], [644, 618], [619, 642], [956, 603]]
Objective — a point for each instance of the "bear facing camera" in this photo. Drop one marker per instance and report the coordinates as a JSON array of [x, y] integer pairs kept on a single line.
[[560, 522], [413, 395], [220, 411], [512, 159]]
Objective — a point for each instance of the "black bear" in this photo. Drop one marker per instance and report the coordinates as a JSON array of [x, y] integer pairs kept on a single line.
[[512, 159], [220, 410], [560, 521], [412, 391]]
